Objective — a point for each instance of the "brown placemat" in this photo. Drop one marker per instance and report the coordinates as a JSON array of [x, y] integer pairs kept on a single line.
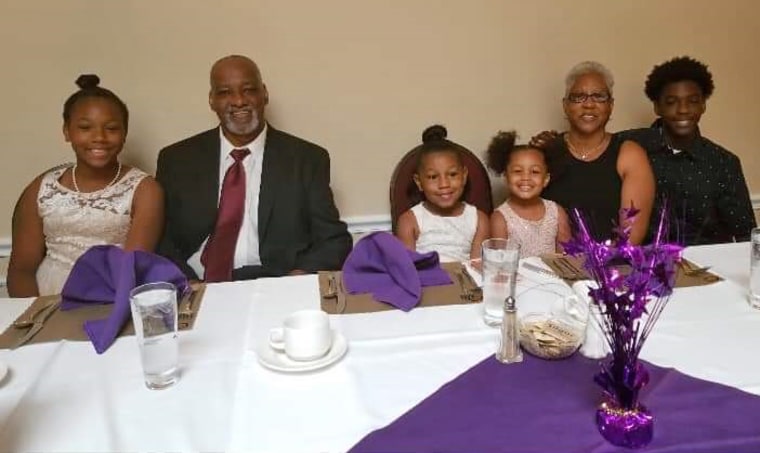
[[696, 279], [450, 294], [562, 264], [67, 325], [684, 279]]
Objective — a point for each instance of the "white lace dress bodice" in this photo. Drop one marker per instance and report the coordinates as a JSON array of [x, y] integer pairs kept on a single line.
[[451, 237], [536, 237], [72, 222]]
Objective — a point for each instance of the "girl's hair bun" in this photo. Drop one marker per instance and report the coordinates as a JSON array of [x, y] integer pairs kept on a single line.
[[87, 81], [434, 133]]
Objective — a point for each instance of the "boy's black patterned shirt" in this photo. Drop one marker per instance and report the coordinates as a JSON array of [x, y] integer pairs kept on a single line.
[[704, 188]]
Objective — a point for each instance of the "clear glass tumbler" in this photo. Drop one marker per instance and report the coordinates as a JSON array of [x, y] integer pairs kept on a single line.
[[501, 258], [754, 269], [154, 313]]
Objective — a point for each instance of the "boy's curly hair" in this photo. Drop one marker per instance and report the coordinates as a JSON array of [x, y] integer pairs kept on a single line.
[[677, 70]]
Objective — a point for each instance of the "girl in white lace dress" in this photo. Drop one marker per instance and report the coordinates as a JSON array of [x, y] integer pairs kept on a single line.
[[442, 222], [94, 201], [539, 225]]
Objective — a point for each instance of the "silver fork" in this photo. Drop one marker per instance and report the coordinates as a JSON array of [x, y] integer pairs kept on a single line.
[[187, 309], [39, 323], [473, 294], [29, 321], [570, 267], [465, 294]]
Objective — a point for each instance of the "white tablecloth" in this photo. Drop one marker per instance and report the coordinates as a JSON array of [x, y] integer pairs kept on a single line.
[[63, 396]]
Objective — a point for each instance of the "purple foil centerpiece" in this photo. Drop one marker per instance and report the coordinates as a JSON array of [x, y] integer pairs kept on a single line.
[[633, 285]]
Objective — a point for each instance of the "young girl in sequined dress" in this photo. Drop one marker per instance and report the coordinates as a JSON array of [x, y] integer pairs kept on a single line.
[[539, 225]]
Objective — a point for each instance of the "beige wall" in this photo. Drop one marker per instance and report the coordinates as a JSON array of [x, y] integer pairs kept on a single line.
[[362, 78]]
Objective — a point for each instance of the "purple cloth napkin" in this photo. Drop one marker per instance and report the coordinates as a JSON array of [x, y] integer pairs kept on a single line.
[[106, 274], [380, 264], [549, 406]]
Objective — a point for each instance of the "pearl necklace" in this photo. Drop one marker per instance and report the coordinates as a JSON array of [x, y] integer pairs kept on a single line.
[[76, 186], [589, 152]]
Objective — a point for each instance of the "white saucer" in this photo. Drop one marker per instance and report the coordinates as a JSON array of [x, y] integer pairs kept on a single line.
[[3, 371], [278, 361]]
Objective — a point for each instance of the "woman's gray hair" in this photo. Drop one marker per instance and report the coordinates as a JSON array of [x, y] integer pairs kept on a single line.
[[589, 67]]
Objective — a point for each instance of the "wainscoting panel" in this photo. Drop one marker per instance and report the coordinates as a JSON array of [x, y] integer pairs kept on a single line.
[[358, 226]]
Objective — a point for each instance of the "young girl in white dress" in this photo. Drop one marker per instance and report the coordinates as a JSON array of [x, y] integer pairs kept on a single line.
[[442, 222], [539, 225], [96, 200]]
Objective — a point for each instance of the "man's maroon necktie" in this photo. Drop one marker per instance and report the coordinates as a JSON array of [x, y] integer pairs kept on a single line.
[[219, 254]]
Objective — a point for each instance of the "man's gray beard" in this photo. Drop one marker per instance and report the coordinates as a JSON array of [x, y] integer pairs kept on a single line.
[[242, 129]]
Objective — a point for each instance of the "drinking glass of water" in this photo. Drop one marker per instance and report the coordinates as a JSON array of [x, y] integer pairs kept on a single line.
[[500, 260], [754, 269], [154, 314]]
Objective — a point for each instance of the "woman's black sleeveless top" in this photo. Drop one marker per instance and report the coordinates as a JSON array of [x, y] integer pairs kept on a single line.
[[593, 187]]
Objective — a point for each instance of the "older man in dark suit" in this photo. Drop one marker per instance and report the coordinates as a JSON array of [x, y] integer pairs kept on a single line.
[[245, 200]]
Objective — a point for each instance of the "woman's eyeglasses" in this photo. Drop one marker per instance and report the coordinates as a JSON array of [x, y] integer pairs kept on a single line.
[[579, 98]]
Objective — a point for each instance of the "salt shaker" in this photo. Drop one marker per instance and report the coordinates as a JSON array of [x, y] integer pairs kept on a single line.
[[509, 347]]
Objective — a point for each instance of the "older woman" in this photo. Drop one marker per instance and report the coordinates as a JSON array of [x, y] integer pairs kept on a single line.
[[595, 171]]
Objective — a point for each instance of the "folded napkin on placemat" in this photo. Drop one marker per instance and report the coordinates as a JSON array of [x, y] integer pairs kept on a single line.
[[543, 405], [67, 325], [462, 291], [105, 274], [570, 269], [381, 265]]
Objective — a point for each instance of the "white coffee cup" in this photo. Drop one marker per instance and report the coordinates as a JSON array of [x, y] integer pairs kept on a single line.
[[305, 335]]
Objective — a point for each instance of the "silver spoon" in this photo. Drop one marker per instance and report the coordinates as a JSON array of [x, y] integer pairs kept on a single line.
[[29, 321]]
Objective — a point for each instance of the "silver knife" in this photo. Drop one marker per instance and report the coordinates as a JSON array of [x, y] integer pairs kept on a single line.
[[39, 323], [540, 270], [341, 307]]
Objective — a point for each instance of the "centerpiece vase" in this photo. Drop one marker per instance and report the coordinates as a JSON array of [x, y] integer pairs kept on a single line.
[[630, 281], [630, 428], [621, 419]]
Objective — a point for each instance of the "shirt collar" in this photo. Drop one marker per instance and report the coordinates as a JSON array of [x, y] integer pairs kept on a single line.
[[666, 148], [256, 147]]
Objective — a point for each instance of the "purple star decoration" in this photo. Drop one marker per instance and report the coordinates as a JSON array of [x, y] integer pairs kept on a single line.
[[632, 281]]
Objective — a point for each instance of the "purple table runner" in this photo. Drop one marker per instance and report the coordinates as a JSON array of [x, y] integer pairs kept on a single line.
[[549, 406]]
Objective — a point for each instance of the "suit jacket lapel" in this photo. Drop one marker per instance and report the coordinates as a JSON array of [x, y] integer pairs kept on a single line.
[[270, 175], [206, 176]]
